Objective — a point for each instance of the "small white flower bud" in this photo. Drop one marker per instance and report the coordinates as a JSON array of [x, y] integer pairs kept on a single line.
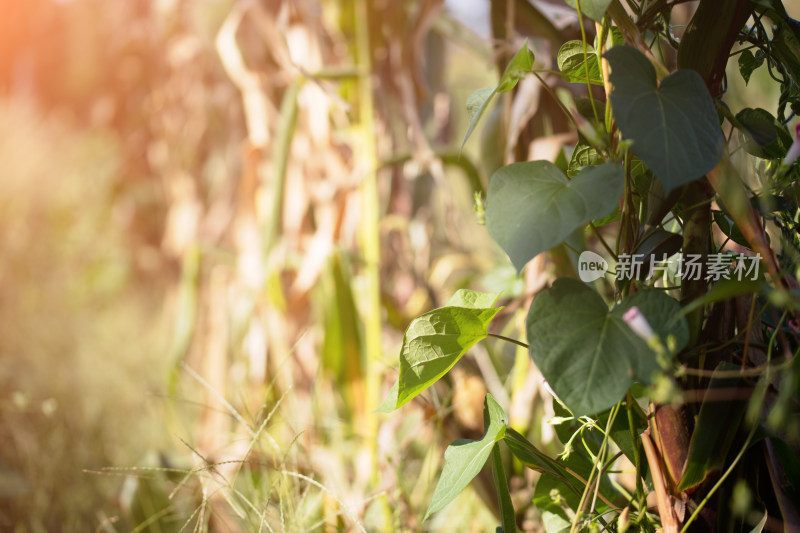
[[638, 323], [794, 150]]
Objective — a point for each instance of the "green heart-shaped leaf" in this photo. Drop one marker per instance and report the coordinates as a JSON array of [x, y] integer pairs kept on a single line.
[[532, 206], [594, 9], [588, 354], [749, 62], [674, 126], [463, 459]]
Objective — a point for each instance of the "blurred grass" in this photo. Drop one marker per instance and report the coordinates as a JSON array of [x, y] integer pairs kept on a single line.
[[86, 432], [103, 201], [78, 334]]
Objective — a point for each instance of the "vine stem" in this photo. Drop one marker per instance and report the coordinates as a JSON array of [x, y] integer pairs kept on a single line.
[[586, 60], [508, 339], [563, 108], [596, 467], [603, 241]]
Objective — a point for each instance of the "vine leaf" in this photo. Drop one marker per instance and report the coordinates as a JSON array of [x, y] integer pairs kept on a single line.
[[532, 206], [588, 354], [464, 459], [572, 63], [766, 136], [478, 102], [674, 126], [435, 341], [554, 501], [594, 9], [748, 62], [473, 299], [390, 403], [583, 156]]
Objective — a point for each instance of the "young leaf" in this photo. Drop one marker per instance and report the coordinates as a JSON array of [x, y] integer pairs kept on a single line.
[[587, 353], [507, 516], [573, 67], [520, 65], [674, 126], [532, 206], [434, 342], [583, 156], [477, 103], [594, 9], [463, 459], [748, 63], [473, 299]]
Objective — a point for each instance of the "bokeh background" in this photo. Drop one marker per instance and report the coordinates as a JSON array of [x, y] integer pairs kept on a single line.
[[217, 218]]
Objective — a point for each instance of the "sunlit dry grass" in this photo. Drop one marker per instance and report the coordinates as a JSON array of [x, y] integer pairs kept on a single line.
[[184, 274]]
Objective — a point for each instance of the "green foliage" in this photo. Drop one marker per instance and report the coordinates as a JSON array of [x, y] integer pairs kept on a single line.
[[717, 425], [554, 499], [532, 206], [435, 341], [587, 353], [463, 459], [478, 102], [767, 138], [748, 62], [584, 155], [573, 63], [341, 348], [594, 9], [615, 356], [507, 517], [673, 124]]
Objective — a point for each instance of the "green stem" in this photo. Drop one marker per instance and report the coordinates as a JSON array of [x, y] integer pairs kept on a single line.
[[637, 457], [597, 467], [508, 339], [603, 241], [586, 60]]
